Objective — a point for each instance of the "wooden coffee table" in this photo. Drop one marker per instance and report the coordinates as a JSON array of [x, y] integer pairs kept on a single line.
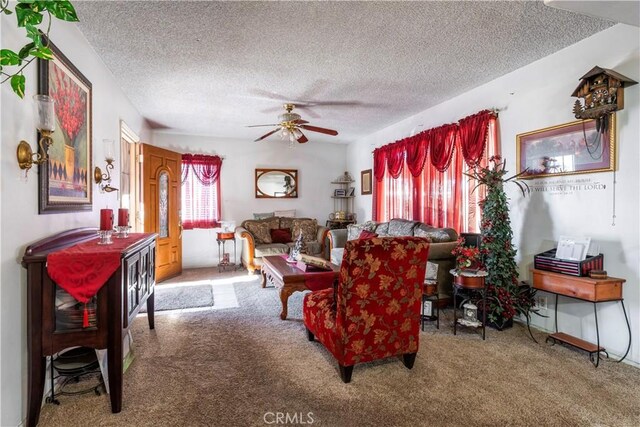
[[287, 278]]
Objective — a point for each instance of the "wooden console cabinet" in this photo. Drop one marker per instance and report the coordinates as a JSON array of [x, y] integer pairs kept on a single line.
[[115, 306], [585, 289]]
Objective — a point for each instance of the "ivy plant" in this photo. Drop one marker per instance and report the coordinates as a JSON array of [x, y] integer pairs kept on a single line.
[[30, 15]]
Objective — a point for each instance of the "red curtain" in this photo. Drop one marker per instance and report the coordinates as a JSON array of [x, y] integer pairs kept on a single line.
[[435, 192], [200, 191], [473, 136]]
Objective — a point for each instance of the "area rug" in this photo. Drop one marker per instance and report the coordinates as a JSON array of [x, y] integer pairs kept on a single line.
[[181, 297], [243, 366]]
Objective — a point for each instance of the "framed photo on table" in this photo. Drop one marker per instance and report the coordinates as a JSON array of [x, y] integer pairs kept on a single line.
[[365, 182], [567, 149], [65, 183]]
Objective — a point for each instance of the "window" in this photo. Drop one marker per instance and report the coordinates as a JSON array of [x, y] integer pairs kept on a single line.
[[200, 191], [422, 177]]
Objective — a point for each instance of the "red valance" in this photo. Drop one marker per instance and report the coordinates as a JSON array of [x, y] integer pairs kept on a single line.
[[379, 163], [417, 148], [473, 136], [205, 168], [442, 142]]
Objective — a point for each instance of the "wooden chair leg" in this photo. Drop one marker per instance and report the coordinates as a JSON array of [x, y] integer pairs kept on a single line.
[[310, 335], [345, 373], [409, 359]]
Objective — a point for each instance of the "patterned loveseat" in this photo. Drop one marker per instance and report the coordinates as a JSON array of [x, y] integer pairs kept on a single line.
[[443, 241], [257, 238]]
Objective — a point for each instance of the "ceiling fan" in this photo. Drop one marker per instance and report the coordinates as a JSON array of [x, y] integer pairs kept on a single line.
[[291, 125]]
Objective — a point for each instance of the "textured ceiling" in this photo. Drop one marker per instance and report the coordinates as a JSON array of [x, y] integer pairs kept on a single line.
[[214, 67]]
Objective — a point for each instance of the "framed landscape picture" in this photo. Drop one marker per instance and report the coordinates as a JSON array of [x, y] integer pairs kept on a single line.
[[365, 182], [65, 179], [567, 149]]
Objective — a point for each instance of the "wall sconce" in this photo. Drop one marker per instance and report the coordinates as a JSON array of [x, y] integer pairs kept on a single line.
[[46, 125], [104, 179]]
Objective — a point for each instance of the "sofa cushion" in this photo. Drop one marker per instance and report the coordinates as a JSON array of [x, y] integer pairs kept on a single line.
[[436, 235], [260, 231], [382, 229], [308, 227], [354, 230], [287, 222], [280, 235], [271, 249], [401, 227]]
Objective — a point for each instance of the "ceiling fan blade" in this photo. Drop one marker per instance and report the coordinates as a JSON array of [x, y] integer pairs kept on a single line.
[[320, 130], [267, 134], [257, 126], [300, 122], [302, 138]]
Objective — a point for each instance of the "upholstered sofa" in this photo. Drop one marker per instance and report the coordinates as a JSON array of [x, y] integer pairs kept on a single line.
[[443, 241], [257, 241]]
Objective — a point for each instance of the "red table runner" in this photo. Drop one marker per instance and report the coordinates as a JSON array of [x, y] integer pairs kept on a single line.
[[83, 269]]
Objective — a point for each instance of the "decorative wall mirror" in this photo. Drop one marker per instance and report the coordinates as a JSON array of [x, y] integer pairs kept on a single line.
[[276, 183]]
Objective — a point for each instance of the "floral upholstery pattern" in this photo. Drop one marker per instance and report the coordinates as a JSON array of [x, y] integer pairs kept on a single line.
[[308, 227], [375, 312], [354, 230]]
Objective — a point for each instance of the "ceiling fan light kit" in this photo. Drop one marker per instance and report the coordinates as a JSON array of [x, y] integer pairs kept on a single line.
[[290, 125]]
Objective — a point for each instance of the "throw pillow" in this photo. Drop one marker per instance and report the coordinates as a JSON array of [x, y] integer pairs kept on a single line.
[[280, 235], [308, 227], [286, 222], [259, 230], [263, 215], [366, 234], [401, 227], [288, 214]]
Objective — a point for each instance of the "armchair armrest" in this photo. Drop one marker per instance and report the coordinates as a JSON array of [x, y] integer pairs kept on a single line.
[[337, 238], [321, 237], [248, 245]]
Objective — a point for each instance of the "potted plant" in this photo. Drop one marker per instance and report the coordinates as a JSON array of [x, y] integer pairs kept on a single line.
[[506, 296], [468, 258]]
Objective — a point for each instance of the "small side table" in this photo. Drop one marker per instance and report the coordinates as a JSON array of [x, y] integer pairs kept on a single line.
[[223, 257], [429, 294], [469, 283]]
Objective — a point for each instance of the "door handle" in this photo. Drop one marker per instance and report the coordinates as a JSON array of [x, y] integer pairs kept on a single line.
[[180, 227]]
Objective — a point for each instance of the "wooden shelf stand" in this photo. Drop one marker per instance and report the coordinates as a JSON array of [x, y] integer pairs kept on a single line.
[[584, 289]]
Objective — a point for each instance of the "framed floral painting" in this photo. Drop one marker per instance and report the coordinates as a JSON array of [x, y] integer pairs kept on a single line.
[[567, 149], [65, 180]]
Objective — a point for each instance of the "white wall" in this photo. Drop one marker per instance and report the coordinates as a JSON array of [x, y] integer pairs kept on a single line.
[[20, 223], [317, 165], [541, 98]]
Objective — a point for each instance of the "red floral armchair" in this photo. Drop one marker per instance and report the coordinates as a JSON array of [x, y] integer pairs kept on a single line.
[[374, 312]]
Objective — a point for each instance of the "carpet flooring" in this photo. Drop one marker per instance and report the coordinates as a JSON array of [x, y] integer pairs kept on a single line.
[[181, 297], [241, 365]]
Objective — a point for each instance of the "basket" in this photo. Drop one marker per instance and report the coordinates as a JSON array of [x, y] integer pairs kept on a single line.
[[547, 261]]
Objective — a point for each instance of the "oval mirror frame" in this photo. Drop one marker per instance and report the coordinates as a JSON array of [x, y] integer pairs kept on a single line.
[[276, 183]]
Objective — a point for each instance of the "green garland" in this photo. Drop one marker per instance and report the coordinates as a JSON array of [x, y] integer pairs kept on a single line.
[[30, 16]]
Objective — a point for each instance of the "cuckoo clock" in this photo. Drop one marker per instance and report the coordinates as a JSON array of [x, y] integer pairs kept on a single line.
[[602, 91]]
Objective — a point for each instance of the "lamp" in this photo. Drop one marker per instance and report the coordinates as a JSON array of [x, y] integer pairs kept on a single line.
[[46, 125], [105, 178]]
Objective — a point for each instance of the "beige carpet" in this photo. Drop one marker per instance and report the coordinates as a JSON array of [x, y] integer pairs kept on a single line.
[[238, 366]]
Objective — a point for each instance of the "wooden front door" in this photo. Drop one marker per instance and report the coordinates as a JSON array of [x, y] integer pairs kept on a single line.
[[161, 176]]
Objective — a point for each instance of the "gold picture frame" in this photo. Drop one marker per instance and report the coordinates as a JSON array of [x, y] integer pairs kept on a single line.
[[567, 149], [365, 182]]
